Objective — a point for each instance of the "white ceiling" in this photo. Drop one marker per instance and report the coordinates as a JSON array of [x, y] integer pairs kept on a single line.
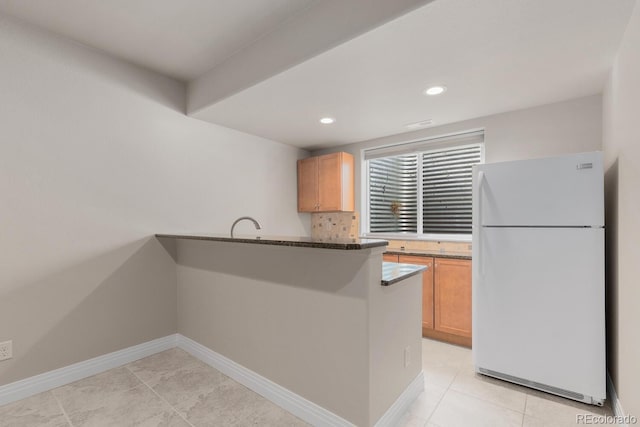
[[179, 38], [493, 56], [273, 68]]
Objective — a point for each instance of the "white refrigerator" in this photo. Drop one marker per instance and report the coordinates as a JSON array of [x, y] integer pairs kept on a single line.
[[538, 274]]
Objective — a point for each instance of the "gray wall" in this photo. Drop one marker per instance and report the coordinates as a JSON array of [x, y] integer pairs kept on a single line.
[[622, 182], [553, 129], [96, 156]]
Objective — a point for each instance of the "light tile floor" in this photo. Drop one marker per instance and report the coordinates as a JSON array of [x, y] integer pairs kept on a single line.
[[455, 396], [174, 389], [169, 389]]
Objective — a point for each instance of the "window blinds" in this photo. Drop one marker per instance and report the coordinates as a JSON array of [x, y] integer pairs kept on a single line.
[[446, 189], [393, 191]]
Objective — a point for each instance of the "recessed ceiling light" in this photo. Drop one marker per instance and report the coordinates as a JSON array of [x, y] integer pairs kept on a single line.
[[435, 90], [418, 125], [327, 120]]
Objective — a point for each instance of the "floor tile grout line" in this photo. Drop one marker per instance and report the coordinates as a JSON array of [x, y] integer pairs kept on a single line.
[[160, 397], [64, 411], [448, 389], [524, 392], [442, 397], [526, 399], [101, 373], [466, 393], [489, 401], [435, 408]]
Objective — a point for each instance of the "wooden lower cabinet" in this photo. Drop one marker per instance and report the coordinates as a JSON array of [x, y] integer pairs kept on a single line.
[[452, 298], [390, 258], [446, 297], [427, 287]]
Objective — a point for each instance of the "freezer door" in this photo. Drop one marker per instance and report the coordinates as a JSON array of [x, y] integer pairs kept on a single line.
[[559, 191], [538, 306]]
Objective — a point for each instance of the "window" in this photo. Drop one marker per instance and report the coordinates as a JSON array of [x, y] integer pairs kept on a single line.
[[393, 194], [423, 188]]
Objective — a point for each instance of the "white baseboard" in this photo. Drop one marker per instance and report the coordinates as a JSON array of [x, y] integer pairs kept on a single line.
[[59, 377], [297, 405], [402, 403], [616, 406]]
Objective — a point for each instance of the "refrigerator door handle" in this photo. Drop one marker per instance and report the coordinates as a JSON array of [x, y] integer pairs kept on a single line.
[[478, 223]]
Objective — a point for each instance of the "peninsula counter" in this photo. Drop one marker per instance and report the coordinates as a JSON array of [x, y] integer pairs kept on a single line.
[[308, 315]]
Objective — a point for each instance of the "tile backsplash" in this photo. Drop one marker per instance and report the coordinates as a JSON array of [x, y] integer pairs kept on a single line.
[[346, 225], [334, 225]]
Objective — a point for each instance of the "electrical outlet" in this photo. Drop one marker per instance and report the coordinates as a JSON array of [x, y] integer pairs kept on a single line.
[[6, 350], [407, 357]]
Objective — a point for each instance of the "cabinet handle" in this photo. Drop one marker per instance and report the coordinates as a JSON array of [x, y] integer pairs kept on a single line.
[[477, 223]]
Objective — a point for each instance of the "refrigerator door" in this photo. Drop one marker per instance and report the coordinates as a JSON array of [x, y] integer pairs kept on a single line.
[[559, 191], [538, 307]]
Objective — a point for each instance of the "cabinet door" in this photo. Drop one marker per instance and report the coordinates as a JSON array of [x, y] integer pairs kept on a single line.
[[308, 185], [390, 257], [330, 182], [427, 287], [452, 296]]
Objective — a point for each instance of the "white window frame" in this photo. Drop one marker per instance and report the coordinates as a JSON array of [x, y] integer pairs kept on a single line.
[[365, 223]]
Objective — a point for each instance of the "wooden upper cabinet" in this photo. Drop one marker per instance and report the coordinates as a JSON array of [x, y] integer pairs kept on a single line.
[[308, 184], [427, 287], [326, 183], [452, 296], [330, 183]]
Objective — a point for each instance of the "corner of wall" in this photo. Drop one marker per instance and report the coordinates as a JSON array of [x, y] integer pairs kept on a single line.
[[621, 102]]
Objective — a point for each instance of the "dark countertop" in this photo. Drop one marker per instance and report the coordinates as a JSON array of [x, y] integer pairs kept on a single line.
[[421, 252], [393, 272], [293, 241]]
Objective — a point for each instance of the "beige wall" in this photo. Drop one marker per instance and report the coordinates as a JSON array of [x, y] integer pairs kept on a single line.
[[314, 321], [549, 130], [96, 156], [395, 323], [622, 183]]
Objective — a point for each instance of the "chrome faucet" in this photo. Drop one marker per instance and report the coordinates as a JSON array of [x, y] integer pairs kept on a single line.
[[256, 223]]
